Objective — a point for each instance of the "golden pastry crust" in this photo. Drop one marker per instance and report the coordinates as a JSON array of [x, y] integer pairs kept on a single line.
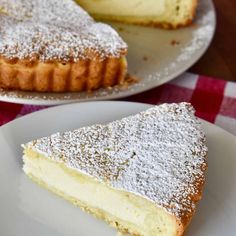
[[56, 76], [151, 23]]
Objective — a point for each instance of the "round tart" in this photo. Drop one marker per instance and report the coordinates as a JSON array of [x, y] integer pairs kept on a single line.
[[55, 46]]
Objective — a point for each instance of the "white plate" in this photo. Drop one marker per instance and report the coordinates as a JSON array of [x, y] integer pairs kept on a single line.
[[27, 209], [152, 58]]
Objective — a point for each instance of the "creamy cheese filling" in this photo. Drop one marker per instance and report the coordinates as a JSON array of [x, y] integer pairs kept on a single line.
[[125, 7], [140, 214]]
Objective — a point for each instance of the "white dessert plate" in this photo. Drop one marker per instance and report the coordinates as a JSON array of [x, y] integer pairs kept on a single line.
[[27, 209], [156, 56]]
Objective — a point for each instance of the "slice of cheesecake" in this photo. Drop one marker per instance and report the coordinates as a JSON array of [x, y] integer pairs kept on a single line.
[[143, 174], [164, 13]]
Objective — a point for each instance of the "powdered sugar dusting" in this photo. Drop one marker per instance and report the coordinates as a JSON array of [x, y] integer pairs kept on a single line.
[[51, 29], [158, 154]]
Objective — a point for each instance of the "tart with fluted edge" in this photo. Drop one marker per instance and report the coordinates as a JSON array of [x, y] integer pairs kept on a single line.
[[55, 46], [169, 14], [143, 174]]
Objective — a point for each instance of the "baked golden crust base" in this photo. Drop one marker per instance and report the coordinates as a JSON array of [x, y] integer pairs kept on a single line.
[[55, 76], [151, 23]]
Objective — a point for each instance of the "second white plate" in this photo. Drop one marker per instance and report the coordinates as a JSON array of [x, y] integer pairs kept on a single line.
[[27, 209], [156, 56]]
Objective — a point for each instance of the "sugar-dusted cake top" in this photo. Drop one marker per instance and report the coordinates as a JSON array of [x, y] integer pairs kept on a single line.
[[158, 154], [54, 30]]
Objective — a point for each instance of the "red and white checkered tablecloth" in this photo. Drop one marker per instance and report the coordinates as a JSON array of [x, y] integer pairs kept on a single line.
[[213, 99]]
